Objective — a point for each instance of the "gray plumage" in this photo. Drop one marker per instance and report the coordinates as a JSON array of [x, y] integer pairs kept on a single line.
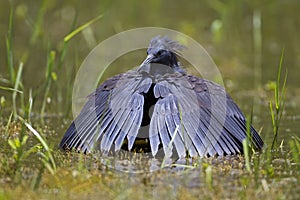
[[153, 101]]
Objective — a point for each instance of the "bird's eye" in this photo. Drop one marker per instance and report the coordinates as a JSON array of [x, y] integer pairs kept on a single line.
[[160, 52]]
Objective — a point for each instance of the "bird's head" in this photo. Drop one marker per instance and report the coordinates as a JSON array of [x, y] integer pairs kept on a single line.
[[163, 50]]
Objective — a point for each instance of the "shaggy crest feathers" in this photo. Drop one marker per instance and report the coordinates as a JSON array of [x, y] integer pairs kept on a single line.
[[163, 42]]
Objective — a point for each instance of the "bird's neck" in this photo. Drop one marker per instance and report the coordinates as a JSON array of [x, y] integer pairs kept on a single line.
[[156, 69]]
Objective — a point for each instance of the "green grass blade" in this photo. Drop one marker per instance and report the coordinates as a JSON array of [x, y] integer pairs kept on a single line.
[[10, 89], [33, 149], [63, 52], [50, 63], [294, 150], [48, 166], [8, 124], [280, 95], [48, 75], [42, 141], [283, 97], [17, 83], [169, 148], [246, 155], [273, 122], [80, 28], [208, 177], [39, 22], [30, 99], [278, 80], [9, 47]]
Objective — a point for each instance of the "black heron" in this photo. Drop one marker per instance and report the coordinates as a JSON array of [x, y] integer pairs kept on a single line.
[[157, 107]]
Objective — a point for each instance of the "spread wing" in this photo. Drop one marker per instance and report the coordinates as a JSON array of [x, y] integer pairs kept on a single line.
[[114, 111], [196, 116]]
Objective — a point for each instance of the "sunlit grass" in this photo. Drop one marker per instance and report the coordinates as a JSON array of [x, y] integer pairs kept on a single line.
[[20, 149], [279, 99], [47, 157], [81, 28]]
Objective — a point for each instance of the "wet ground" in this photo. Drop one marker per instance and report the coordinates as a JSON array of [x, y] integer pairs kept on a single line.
[[244, 39]]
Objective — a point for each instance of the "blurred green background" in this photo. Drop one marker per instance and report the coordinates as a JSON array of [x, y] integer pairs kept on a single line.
[[245, 39]]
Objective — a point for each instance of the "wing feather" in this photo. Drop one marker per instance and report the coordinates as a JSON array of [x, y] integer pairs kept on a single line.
[[114, 111], [210, 122]]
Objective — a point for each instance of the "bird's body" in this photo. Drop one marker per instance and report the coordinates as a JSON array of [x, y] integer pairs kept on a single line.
[[159, 106]]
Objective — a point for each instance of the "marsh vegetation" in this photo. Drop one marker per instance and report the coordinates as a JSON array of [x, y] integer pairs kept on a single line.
[[255, 45]]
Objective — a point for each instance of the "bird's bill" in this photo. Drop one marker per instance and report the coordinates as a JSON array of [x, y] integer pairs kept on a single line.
[[148, 59]]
